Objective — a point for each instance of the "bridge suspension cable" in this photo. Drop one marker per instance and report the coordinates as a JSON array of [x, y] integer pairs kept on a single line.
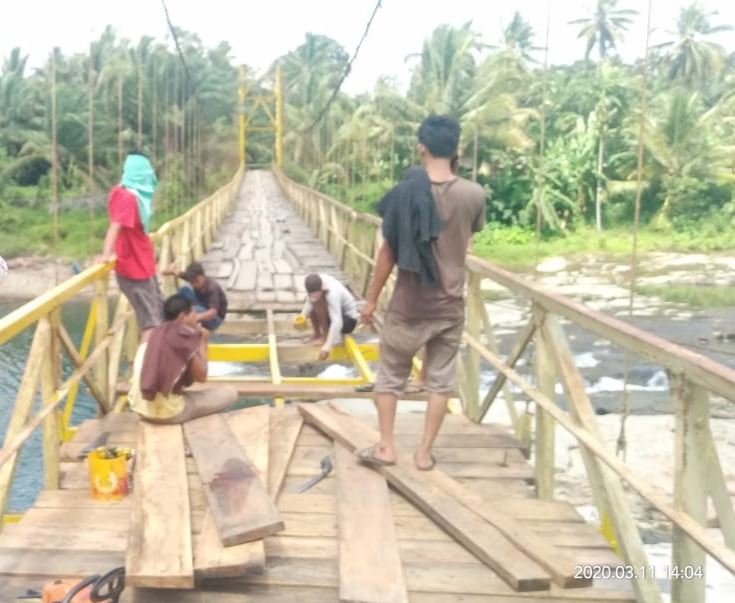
[[346, 72]]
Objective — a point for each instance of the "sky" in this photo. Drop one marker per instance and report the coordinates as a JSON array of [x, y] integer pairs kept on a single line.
[[261, 32]]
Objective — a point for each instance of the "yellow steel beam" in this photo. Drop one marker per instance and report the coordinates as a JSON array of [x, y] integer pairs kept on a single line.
[[286, 380], [67, 434], [273, 354], [258, 352], [358, 359], [26, 315], [12, 518]]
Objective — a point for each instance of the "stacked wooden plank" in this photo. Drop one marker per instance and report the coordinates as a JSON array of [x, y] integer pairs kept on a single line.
[[368, 548], [241, 469]]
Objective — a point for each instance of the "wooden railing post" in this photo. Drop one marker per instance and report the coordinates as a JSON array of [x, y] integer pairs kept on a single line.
[[607, 489], [691, 451], [545, 427], [473, 309]]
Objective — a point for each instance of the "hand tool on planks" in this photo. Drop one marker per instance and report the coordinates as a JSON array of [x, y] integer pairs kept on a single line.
[[326, 464], [94, 589]]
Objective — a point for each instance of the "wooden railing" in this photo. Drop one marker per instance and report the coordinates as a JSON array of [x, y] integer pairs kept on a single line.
[[355, 238], [178, 241]]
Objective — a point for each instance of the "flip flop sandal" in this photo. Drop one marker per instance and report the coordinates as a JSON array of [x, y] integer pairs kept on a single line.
[[365, 387], [367, 456], [429, 468], [414, 389]]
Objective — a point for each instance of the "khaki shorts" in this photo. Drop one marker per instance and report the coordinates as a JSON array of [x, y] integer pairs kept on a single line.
[[400, 341], [145, 298]]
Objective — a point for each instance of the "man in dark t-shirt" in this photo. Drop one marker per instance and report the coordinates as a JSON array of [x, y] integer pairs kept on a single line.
[[210, 301], [419, 316]]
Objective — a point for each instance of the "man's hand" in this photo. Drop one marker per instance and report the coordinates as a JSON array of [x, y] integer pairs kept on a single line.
[[366, 313], [323, 354], [102, 259]]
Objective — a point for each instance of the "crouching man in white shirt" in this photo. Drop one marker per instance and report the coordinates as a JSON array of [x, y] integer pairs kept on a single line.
[[332, 310]]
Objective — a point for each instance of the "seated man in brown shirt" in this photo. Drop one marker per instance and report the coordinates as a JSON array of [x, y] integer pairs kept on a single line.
[[174, 357], [430, 316], [210, 301]]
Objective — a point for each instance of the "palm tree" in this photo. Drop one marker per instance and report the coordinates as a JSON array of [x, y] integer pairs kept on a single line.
[[518, 38], [692, 57], [603, 29], [443, 79], [683, 139]]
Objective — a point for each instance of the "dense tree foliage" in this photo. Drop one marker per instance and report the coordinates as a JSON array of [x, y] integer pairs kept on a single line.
[[122, 95], [592, 116]]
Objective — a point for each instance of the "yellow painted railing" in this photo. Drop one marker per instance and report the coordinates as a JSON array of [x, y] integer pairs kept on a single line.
[[104, 343], [354, 239]]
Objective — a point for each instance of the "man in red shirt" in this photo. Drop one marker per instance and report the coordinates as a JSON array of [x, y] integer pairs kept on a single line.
[[130, 208]]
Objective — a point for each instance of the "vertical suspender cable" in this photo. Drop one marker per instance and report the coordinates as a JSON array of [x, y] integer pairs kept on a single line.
[[621, 443], [541, 178]]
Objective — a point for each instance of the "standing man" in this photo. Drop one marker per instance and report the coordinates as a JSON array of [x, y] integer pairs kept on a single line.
[[130, 208], [430, 316], [332, 310]]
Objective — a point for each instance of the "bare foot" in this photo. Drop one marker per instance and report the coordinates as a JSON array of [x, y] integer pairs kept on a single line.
[[318, 342], [315, 340]]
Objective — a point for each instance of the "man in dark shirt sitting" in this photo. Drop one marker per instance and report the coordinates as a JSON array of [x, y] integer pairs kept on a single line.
[[210, 301]]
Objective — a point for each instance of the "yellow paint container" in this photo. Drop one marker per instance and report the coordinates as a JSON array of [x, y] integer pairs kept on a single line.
[[108, 477]]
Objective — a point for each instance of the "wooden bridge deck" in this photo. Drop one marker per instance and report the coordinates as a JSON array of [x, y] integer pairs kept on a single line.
[[263, 251], [327, 537]]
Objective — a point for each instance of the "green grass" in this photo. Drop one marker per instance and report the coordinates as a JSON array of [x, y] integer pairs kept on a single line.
[[29, 231], [691, 295], [515, 248]]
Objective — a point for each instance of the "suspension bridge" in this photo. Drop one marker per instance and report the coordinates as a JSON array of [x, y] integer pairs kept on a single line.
[[485, 525]]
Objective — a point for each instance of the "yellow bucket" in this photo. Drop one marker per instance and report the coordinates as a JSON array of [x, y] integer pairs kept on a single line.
[[108, 477], [300, 321]]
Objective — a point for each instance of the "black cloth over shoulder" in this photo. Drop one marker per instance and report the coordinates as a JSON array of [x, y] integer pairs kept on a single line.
[[411, 222]]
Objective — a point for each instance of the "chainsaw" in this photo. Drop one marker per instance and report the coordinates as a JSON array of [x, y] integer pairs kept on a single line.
[[95, 589]]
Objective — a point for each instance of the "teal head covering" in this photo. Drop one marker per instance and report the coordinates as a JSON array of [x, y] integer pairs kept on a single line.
[[140, 178]]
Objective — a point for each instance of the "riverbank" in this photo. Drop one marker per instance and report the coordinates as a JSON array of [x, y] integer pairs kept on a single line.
[[31, 276]]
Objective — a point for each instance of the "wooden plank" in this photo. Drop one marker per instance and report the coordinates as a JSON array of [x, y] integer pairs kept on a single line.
[[561, 566], [443, 440], [240, 505], [159, 551], [58, 563], [458, 579], [369, 562], [39, 537], [265, 389], [520, 509], [212, 559], [285, 428], [252, 594], [485, 541], [75, 499]]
